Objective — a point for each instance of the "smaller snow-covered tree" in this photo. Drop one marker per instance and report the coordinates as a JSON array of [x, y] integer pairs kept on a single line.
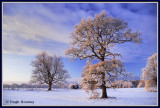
[[149, 74], [48, 70]]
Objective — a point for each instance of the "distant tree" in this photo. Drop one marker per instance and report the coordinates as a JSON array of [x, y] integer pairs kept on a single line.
[[94, 39], [14, 86], [23, 85], [127, 84], [48, 70], [6, 86], [117, 84], [149, 74]]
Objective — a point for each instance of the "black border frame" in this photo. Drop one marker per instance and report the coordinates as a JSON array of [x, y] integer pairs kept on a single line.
[[91, 1]]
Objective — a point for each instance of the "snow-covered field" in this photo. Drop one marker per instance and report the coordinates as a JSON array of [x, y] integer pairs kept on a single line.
[[70, 97]]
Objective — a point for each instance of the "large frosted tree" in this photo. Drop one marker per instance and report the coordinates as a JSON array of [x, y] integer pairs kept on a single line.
[[48, 70], [94, 38]]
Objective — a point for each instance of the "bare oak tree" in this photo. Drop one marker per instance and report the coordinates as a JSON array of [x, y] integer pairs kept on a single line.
[[48, 70], [94, 38]]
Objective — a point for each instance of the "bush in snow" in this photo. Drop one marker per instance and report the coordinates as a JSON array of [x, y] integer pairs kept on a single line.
[[94, 94], [135, 83], [73, 86]]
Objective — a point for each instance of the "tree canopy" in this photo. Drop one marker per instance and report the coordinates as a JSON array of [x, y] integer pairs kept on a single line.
[[93, 38], [48, 69]]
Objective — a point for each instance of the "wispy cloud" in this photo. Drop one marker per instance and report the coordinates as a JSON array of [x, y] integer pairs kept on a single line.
[[25, 32]]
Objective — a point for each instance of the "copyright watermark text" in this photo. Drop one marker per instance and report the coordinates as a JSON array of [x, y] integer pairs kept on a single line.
[[18, 102]]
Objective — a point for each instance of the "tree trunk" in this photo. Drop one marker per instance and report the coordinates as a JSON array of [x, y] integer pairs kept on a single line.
[[104, 92], [49, 86]]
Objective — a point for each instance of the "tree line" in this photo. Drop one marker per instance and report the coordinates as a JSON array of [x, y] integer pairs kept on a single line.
[[117, 84]]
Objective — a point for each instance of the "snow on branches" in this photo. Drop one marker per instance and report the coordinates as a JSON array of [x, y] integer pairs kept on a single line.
[[149, 74], [48, 70], [92, 75], [94, 39]]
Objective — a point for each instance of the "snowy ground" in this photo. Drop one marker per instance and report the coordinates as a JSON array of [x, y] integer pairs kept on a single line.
[[68, 97]]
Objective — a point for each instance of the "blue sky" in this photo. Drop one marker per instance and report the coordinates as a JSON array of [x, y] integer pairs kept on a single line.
[[29, 28]]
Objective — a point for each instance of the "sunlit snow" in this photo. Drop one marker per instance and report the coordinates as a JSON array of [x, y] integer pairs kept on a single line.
[[71, 97]]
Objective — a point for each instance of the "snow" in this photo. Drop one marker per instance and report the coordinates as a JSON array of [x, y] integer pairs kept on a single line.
[[72, 97]]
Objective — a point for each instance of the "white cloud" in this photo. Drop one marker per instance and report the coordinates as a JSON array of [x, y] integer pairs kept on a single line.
[[20, 30], [37, 22], [32, 29]]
